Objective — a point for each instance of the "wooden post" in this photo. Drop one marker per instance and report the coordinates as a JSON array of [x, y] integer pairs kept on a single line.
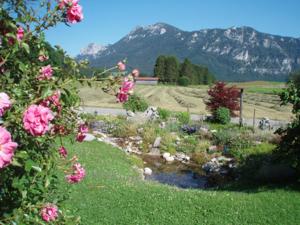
[[241, 107], [253, 120]]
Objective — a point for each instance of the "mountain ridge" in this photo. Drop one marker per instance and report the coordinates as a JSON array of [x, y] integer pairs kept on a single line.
[[232, 54]]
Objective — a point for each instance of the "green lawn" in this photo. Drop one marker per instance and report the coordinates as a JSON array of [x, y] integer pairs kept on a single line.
[[112, 193]]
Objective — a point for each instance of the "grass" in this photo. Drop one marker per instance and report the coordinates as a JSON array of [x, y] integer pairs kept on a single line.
[[113, 193], [258, 95]]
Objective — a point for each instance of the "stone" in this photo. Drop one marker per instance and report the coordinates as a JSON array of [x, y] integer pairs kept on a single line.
[[224, 159], [166, 155], [130, 113], [154, 151], [203, 129], [162, 125], [156, 143], [170, 159], [180, 156], [151, 113], [140, 130], [147, 171], [89, 137]]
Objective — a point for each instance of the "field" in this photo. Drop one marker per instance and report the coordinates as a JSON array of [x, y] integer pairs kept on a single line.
[[260, 96], [113, 193]]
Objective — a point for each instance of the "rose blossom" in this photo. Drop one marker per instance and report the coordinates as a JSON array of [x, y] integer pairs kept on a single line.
[[36, 119], [126, 88], [53, 99], [4, 103], [43, 58], [7, 147], [63, 152], [64, 3], [45, 73], [77, 175], [20, 33], [121, 66], [82, 130], [74, 14], [135, 72], [49, 212]]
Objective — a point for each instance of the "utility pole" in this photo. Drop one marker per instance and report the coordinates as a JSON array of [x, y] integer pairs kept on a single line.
[[241, 107]]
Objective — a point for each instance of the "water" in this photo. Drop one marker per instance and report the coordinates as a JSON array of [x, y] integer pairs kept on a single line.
[[176, 173]]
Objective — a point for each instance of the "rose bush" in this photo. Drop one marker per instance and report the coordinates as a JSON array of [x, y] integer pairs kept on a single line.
[[38, 100]]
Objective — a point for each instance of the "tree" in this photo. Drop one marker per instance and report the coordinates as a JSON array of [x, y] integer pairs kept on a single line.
[[171, 69], [222, 96], [289, 147], [159, 68], [188, 70]]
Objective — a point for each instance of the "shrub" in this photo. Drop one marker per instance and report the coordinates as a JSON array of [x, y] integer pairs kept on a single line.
[[164, 114], [222, 115], [200, 157], [188, 144], [135, 103], [202, 145], [184, 81], [168, 142], [234, 139], [124, 129], [261, 149], [183, 117], [149, 135], [222, 96], [136, 161]]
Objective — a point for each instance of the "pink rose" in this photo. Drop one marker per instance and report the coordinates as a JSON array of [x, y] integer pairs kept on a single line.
[[49, 212], [43, 58], [74, 14], [64, 3], [20, 33], [7, 148], [4, 103], [122, 97], [45, 73], [121, 66], [36, 119], [82, 130], [63, 152], [135, 72], [54, 99], [127, 85], [77, 175]]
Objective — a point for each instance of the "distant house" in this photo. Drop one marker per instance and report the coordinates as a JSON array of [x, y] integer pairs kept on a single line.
[[147, 80]]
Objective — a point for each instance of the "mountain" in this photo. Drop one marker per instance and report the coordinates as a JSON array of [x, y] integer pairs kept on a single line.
[[233, 54]]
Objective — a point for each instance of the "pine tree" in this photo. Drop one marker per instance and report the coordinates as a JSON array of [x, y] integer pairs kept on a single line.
[[171, 69], [187, 70], [159, 68]]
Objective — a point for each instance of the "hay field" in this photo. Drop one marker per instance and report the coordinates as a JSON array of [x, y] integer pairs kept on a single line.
[[258, 95]]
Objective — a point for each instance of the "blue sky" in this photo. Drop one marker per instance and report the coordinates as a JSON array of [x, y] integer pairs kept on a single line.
[[108, 21]]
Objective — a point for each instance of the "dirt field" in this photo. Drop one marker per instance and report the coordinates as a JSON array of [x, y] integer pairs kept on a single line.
[[258, 96]]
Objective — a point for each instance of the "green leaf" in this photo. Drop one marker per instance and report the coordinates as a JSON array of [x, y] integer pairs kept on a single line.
[[26, 47]]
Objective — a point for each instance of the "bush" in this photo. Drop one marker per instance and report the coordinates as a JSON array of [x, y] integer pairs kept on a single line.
[[234, 139], [200, 157], [168, 142], [188, 144], [222, 115], [164, 114], [135, 103], [183, 81], [261, 149], [183, 117], [124, 129], [222, 96]]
